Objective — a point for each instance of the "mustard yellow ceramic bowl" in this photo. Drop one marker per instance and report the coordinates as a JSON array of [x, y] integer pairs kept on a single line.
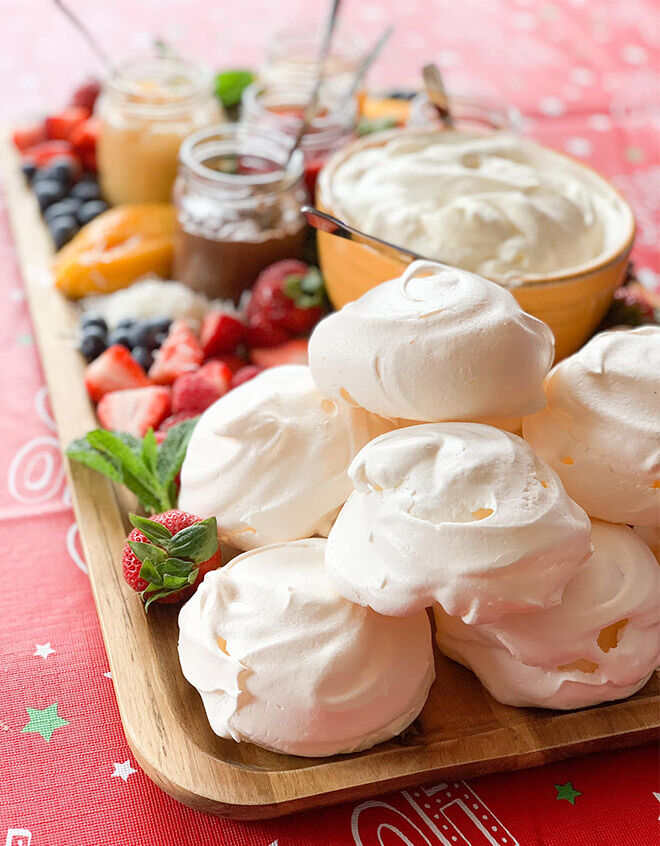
[[571, 302]]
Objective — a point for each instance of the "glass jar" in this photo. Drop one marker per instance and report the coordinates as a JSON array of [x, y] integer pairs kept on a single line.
[[468, 113], [147, 107], [281, 106], [238, 207], [292, 57]]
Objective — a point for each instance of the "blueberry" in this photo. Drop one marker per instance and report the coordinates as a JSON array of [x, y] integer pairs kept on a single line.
[[144, 336], [91, 209], [401, 94], [62, 229], [120, 336], [90, 319], [160, 324], [29, 169], [126, 323], [92, 342], [86, 189], [143, 356], [48, 191], [61, 170], [159, 339], [68, 206]]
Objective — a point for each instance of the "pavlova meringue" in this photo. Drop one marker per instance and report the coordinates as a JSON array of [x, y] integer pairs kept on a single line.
[[435, 344], [269, 459], [601, 643], [601, 428], [280, 659], [460, 514]]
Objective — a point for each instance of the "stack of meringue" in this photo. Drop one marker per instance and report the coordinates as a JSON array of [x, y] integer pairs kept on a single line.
[[393, 445]]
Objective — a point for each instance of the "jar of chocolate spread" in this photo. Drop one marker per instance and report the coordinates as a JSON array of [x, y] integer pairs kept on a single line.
[[238, 207]]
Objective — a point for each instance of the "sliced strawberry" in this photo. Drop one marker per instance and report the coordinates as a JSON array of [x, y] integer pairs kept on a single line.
[[292, 352], [86, 95], [219, 373], [41, 154], [180, 353], [233, 362], [114, 370], [134, 411], [28, 136], [245, 374], [261, 332], [221, 333], [60, 127], [85, 135], [193, 393]]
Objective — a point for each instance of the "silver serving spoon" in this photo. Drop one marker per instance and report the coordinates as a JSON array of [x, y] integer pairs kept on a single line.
[[437, 94], [92, 41], [367, 62], [312, 103], [333, 226]]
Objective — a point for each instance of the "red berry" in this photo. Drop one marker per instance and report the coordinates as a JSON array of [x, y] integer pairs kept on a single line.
[[193, 393], [233, 362], [60, 127], [219, 373], [28, 136], [189, 565], [289, 295], [221, 333], [134, 411], [245, 374], [41, 154], [86, 94], [114, 370], [179, 353], [173, 420], [292, 352], [261, 332]]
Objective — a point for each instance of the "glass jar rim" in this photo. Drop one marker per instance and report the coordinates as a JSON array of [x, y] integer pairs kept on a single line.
[[346, 48], [494, 114], [177, 82], [199, 147]]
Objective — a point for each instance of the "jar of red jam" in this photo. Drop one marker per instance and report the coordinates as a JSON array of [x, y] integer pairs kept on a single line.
[[238, 199], [281, 106]]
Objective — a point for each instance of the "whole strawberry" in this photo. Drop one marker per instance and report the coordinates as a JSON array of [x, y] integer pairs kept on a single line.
[[289, 296], [166, 557]]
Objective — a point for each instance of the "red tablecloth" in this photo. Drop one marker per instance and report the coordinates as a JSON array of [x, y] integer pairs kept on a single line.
[[586, 76]]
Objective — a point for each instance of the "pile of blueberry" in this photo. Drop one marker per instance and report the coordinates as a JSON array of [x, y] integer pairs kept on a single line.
[[66, 201], [141, 337]]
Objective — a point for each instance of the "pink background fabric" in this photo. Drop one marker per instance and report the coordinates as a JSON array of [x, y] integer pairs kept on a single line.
[[586, 77]]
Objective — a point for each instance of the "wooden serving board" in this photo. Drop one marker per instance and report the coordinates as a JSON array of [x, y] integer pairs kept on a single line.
[[462, 731]]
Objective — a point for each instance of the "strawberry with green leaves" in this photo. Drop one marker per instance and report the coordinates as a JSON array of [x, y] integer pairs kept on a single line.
[[166, 557]]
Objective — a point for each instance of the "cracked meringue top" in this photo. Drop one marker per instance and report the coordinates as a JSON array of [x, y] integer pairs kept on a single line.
[[497, 205], [269, 459], [601, 428], [601, 642], [435, 344], [280, 659], [459, 514]]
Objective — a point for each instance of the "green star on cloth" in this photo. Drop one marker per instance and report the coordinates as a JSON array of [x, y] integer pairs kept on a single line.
[[567, 792], [44, 722]]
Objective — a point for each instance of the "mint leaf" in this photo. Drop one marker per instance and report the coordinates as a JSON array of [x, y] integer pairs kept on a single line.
[[82, 452], [154, 531], [172, 452], [149, 451], [197, 542], [366, 126], [230, 85], [136, 475]]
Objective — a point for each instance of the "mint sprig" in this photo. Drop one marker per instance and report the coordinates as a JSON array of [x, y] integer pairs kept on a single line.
[[171, 562], [140, 464], [230, 85]]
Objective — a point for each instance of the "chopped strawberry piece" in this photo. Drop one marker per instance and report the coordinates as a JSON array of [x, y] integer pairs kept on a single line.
[[114, 370], [180, 353], [28, 136], [261, 332], [86, 95], [134, 411], [245, 374], [219, 373], [221, 333], [60, 127], [193, 393], [42, 153], [292, 352], [233, 362]]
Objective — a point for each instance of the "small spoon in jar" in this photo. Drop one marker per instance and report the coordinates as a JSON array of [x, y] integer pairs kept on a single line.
[[333, 226], [437, 94], [361, 72]]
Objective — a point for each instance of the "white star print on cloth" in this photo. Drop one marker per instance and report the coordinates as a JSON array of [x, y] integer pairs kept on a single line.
[[123, 771], [43, 649]]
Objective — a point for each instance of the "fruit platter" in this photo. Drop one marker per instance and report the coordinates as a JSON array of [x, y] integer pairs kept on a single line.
[[357, 511]]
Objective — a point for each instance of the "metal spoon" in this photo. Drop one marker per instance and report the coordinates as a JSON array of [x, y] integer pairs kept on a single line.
[[333, 226], [86, 34], [437, 94], [310, 108], [367, 62]]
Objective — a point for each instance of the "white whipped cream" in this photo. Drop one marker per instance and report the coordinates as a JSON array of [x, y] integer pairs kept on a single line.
[[497, 205], [601, 643], [601, 428], [280, 659], [447, 345], [459, 514], [269, 459]]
